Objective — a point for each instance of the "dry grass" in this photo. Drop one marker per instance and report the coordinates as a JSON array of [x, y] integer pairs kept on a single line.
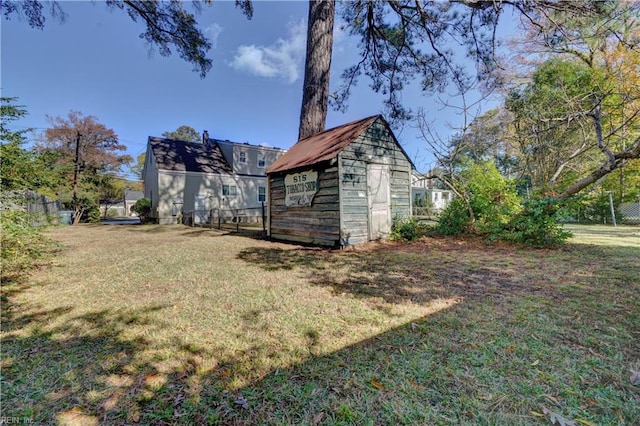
[[172, 325]]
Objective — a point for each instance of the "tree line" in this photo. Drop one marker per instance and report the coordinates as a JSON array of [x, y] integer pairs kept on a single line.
[[77, 160]]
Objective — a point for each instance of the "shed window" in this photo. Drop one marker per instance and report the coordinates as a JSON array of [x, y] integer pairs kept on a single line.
[[262, 163], [262, 194], [242, 157], [229, 190]]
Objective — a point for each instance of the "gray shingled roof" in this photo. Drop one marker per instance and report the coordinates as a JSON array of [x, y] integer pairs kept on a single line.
[[133, 195], [188, 156]]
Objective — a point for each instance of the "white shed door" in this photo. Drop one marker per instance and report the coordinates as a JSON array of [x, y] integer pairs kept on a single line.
[[379, 199]]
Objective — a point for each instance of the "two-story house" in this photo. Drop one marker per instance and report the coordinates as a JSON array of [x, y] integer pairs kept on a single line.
[[424, 194], [204, 181]]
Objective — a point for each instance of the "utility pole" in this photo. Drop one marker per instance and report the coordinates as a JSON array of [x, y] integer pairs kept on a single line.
[[76, 170]]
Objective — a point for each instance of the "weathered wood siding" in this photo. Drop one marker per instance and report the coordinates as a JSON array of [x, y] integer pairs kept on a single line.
[[316, 224], [376, 146]]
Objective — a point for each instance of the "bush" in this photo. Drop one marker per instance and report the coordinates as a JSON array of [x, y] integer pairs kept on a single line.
[[91, 211], [407, 229], [87, 206], [492, 198], [22, 244], [142, 208], [536, 225], [454, 220], [499, 212], [422, 206]]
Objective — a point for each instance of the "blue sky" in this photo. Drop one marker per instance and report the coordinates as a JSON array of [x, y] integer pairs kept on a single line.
[[96, 63]]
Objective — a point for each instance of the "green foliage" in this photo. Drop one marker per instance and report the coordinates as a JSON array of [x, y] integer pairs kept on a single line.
[[138, 168], [16, 161], [22, 244], [183, 133], [422, 206], [536, 225], [592, 208], [111, 191], [493, 198], [142, 208], [455, 219], [489, 204], [541, 113], [16, 166], [497, 211], [9, 111], [88, 208], [407, 229], [86, 204], [599, 209], [91, 211], [22, 168]]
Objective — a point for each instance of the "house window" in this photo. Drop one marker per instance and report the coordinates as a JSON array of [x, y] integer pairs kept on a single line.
[[229, 190], [262, 163], [445, 196], [242, 157], [262, 194]]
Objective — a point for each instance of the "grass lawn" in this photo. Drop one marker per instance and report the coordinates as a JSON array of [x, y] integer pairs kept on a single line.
[[174, 325]]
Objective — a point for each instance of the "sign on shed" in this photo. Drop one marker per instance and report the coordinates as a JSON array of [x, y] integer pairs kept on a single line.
[[300, 188]]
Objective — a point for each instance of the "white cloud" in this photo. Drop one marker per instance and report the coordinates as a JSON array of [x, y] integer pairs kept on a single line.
[[282, 59], [340, 34], [213, 31]]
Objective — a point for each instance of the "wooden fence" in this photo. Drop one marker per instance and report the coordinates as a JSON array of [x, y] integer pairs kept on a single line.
[[41, 210]]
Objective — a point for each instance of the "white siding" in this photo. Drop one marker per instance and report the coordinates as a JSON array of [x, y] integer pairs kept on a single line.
[[188, 185]]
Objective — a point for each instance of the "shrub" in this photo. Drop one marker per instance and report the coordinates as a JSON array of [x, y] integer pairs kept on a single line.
[[499, 212], [22, 244], [492, 198], [87, 206], [536, 225], [407, 229], [143, 209], [422, 206], [91, 211], [454, 220]]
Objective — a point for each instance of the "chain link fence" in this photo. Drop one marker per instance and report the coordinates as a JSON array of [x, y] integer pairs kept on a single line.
[[630, 212]]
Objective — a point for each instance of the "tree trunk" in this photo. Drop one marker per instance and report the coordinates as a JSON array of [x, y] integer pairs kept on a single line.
[[315, 92], [616, 160]]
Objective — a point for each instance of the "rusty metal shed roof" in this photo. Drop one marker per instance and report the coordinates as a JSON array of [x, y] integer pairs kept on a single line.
[[321, 146], [178, 155]]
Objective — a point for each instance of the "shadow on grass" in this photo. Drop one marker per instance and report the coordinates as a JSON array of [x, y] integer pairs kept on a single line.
[[395, 275], [77, 372], [91, 369], [183, 230]]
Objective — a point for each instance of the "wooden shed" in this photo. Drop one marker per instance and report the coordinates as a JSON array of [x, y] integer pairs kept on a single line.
[[339, 187]]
